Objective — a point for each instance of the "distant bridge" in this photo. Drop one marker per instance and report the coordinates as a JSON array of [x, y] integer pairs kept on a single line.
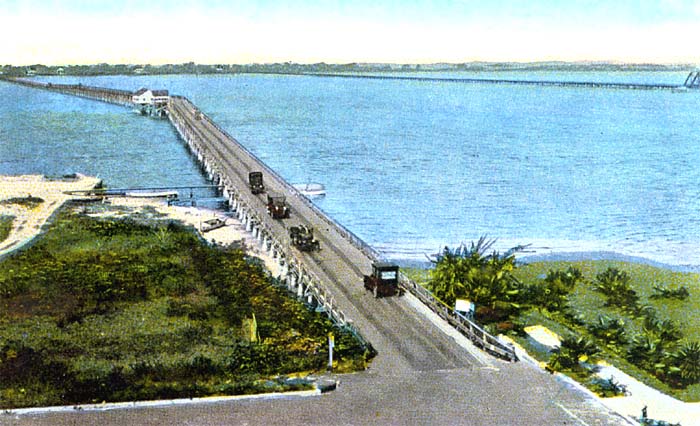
[[693, 81]]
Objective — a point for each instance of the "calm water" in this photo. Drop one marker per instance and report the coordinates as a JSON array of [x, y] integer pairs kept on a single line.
[[414, 166]]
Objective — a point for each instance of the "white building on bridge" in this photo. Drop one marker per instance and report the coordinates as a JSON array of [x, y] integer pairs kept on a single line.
[[145, 96], [151, 102]]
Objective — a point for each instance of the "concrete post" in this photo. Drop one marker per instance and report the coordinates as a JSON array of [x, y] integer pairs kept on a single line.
[[284, 270], [300, 289]]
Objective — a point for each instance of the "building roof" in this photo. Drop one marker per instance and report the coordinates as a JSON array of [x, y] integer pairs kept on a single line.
[[159, 92], [141, 91]]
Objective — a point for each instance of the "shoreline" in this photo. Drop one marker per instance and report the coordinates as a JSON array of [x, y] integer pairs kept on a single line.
[[572, 254]]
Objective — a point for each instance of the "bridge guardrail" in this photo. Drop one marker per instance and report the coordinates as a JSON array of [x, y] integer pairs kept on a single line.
[[345, 232], [480, 337], [471, 330], [120, 97], [314, 284]]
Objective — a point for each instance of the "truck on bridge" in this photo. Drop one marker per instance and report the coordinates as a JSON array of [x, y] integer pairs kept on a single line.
[[255, 181], [303, 238], [277, 206], [384, 280]]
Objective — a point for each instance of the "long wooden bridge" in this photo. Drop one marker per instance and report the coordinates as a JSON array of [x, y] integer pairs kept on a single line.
[[406, 342]]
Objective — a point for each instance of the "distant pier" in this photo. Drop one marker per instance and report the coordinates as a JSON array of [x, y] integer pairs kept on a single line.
[[693, 81]]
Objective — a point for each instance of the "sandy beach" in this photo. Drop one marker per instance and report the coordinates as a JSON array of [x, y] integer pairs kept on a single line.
[[29, 220]]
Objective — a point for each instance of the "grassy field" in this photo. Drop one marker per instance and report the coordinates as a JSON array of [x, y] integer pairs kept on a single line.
[[587, 306], [116, 310], [5, 227]]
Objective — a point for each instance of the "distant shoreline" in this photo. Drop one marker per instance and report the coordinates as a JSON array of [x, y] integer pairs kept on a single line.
[[322, 67], [572, 256]]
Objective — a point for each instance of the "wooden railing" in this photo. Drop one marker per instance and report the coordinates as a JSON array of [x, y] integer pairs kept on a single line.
[[480, 337]]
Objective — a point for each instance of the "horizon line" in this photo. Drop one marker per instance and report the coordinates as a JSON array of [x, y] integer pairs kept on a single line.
[[374, 63]]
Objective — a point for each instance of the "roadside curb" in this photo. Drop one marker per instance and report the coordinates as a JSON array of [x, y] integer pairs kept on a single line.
[[159, 403], [524, 355]]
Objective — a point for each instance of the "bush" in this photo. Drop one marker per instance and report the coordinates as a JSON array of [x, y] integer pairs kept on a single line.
[[114, 309]]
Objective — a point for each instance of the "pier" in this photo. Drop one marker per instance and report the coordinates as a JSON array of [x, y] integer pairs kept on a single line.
[[420, 362]]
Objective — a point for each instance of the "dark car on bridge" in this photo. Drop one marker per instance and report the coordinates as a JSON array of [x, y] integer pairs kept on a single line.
[[277, 206], [384, 280]]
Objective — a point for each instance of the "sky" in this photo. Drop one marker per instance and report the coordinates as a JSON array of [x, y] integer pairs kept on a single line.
[[60, 32]]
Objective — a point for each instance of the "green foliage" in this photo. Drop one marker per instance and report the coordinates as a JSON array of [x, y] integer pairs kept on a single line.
[[552, 293], [122, 310], [607, 388], [573, 350], [648, 351], [687, 361], [28, 201], [485, 279], [5, 226], [611, 330], [615, 285], [663, 292]]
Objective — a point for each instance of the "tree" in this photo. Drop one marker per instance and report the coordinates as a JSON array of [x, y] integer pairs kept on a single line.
[[571, 352], [615, 285], [687, 360], [611, 330], [467, 272], [648, 351], [553, 292]]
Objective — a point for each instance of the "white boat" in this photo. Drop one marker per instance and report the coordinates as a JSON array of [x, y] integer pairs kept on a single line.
[[311, 190]]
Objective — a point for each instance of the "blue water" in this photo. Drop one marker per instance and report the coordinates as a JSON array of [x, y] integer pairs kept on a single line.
[[413, 166]]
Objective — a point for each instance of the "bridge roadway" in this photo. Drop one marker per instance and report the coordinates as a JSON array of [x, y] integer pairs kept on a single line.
[[420, 375], [404, 340]]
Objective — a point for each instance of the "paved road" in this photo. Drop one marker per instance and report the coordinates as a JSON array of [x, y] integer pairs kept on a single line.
[[405, 341], [518, 394]]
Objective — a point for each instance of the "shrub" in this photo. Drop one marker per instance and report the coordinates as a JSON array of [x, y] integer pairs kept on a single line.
[[663, 292]]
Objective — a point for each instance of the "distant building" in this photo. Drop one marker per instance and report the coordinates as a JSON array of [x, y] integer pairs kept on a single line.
[[146, 96]]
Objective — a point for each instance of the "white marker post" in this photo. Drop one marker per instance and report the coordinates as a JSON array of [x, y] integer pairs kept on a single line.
[[331, 345]]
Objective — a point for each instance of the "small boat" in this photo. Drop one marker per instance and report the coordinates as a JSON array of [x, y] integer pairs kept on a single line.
[[212, 224], [311, 190], [152, 194]]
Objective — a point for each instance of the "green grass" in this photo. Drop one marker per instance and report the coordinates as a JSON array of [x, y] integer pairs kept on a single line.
[[5, 226], [29, 201], [116, 310], [587, 304], [643, 277]]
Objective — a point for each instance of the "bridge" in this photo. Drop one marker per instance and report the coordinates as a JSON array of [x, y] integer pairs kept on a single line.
[[691, 82], [421, 361]]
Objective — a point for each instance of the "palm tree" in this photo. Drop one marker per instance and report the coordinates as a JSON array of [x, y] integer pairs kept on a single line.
[[571, 352], [612, 330], [667, 330], [647, 350], [552, 294], [687, 360], [614, 284], [468, 272]]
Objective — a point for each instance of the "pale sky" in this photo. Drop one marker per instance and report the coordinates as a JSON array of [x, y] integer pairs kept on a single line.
[[59, 32]]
